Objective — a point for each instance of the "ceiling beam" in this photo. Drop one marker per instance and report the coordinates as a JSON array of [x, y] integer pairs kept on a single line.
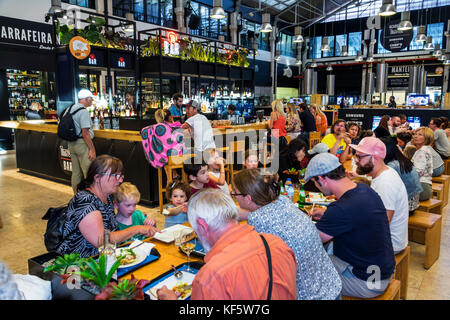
[[333, 11]]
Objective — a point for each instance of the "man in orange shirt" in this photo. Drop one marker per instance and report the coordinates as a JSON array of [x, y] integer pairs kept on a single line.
[[236, 261]]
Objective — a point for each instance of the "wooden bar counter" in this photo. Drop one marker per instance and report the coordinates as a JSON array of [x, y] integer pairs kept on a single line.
[[40, 152]]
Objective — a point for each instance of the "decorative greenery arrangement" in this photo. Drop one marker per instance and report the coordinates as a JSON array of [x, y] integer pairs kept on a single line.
[[95, 33], [96, 272], [127, 289], [61, 264], [195, 51]]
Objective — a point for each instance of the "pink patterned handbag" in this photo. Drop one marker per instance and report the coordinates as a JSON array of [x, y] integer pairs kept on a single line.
[[162, 140]]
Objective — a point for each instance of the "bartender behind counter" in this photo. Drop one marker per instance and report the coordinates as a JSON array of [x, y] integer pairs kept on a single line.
[[392, 103]]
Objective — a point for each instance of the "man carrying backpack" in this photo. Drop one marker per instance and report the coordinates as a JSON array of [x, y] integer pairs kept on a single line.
[[82, 150]]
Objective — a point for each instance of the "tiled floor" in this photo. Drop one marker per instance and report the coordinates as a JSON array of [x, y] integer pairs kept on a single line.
[[24, 200]]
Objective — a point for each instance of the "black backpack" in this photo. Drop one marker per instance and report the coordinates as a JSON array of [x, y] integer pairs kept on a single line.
[[53, 236], [66, 127]]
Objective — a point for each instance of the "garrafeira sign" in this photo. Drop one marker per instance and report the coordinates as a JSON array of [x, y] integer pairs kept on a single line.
[[26, 33], [395, 40]]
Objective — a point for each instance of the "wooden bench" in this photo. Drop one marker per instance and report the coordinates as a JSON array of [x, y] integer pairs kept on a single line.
[[425, 228], [392, 292], [402, 270], [445, 181], [438, 191], [431, 205], [447, 167]]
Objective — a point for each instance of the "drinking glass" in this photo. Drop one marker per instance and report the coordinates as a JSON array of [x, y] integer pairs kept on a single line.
[[177, 236], [187, 246]]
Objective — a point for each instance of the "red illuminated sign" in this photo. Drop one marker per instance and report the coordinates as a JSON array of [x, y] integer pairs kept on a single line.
[[172, 37]]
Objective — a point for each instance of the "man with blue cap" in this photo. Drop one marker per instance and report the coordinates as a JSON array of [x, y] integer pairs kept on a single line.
[[358, 226]]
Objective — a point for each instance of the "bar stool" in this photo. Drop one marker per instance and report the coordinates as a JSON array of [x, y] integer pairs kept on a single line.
[[233, 147]]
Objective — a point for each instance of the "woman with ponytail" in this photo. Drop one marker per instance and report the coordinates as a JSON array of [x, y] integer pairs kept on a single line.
[[91, 210], [270, 212]]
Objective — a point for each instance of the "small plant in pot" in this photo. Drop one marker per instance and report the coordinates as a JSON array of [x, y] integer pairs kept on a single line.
[[127, 289], [62, 264]]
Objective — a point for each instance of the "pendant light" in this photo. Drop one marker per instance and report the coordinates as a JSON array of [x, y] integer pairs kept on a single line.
[[217, 11], [266, 26], [298, 61], [298, 38], [446, 61], [277, 55], [429, 44], [370, 58], [329, 68], [313, 64], [421, 36], [359, 56], [437, 50], [387, 9], [344, 52], [325, 46], [128, 27], [405, 24], [442, 57]]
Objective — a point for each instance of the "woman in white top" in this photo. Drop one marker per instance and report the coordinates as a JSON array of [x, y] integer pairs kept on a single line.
[[423, 159]]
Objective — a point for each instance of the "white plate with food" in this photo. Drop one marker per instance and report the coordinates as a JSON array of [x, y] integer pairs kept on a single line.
[[131, 258], [183, 285], [167, 235]]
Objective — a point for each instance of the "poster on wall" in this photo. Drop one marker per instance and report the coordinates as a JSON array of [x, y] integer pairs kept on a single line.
[[394, 40]]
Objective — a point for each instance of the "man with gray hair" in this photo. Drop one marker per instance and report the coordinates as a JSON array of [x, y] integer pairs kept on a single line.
[[240, 263]]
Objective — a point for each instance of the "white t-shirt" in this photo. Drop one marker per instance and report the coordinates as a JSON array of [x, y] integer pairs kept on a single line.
[[392, 192], [201, 132]]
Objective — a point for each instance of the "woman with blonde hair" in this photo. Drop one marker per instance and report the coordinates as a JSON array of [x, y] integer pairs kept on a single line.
[[321, 119], [277, 123], [424, 161], [293, 123]]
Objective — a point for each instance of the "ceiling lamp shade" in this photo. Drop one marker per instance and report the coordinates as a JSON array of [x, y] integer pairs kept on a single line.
[[55, 7], [359, 56], [429, 44], [421, 36], [329, 68], [277, 55], [217, 12], [405, 24], [313, 64], [266, 26], [437, 50], [325, 46], [446, 61], [128, 27], [298, 61], [344, 51], [442, 57], [370, 59], [387, 9], [298, 38]]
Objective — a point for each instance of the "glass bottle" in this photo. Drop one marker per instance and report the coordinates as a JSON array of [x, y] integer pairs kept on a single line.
[[301, 196], [109, 250]]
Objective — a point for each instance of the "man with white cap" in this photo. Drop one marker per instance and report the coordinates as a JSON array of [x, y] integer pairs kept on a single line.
[[199, 127], [82, 151], [357, 224], [370, 154]]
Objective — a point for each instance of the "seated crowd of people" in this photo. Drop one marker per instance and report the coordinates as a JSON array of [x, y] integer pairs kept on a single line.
[[346, 249]]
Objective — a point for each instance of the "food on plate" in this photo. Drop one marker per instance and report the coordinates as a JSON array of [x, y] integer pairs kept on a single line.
[[308, 208], [184, 289], [129, 256], [291, 171]]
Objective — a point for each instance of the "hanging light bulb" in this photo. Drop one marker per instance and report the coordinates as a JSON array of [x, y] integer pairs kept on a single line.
[[344, 51], [329, 68], [446, 61], [421, 36], [359, 56], [405, 24], [370, 59], [128, 27], [298, 61], [217, 12], [429, 44], [255, 47], [277, 55], [266, 26], [442, 57], [298, 38], [437, 50], [325, 46], [387, 9], [313, 64]]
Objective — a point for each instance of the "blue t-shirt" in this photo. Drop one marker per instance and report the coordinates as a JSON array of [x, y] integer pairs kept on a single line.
[[173, 220], [176, 112], [360, 227]]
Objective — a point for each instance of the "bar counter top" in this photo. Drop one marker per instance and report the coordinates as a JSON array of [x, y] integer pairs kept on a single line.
[[50, 126]]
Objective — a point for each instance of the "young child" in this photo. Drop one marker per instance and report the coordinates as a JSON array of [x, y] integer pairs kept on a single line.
[[199, 176], [216, 168], [126, 198], [251, 160], [177, 193]]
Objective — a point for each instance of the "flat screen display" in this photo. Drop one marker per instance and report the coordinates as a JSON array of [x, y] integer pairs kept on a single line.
[[414, 122], [375, 122], [417, 100]]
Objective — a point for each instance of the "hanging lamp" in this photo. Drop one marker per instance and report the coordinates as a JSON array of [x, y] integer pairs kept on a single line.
[[217, 12], [405, 24], [387, 9], [266, 26]]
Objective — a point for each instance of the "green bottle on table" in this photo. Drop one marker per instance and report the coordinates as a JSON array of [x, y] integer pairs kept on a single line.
[[301, 196]]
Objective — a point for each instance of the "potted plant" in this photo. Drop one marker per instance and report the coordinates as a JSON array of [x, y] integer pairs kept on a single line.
[[127, 289]]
